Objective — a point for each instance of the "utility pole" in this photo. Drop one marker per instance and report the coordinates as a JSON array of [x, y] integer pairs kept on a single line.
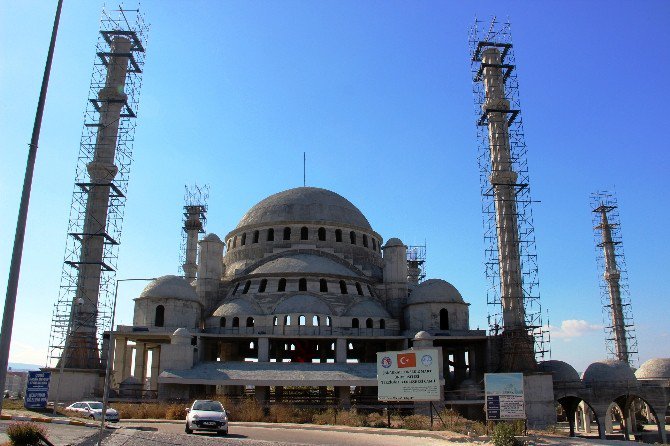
[[17, 252]]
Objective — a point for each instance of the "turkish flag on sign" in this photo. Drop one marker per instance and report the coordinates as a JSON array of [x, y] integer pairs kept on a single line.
[[406, 360]]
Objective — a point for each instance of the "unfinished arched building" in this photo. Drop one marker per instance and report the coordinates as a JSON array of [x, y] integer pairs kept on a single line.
[[302, 292]]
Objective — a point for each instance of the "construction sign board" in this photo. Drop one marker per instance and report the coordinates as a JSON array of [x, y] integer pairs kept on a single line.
[[37, 390], [408, 375], [504, 396]]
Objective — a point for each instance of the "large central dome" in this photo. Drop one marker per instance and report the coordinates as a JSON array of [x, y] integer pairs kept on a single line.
[[304, 204]]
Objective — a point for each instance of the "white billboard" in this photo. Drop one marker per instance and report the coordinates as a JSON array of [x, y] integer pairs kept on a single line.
[[504, 396], [408, 375]]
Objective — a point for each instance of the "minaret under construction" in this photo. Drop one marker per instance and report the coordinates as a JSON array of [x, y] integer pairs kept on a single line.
[[621, 340], [510, 257], [84, 307]]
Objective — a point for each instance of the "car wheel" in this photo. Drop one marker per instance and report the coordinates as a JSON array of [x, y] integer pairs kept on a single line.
[[223, 432], [188, 430]]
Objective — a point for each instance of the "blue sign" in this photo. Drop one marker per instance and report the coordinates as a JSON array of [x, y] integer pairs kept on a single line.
[[37, 390]]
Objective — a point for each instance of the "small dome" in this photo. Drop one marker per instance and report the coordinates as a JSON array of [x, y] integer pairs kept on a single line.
[[303, 264], [211, 237], [237, 307], [608, 370], [393, 242], [367, 308], [657, 368], [181, 333], [561, 371], [305, 204], [423, 336], [435, 291], [169, 287], [302, 303]]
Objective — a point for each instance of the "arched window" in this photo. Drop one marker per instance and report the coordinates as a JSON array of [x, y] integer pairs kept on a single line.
[[281, 286], [237, 285], [287, 233], [159, 320], [235, 242], [323, 285], [444, 319], [343, 287], [354, 323], [359, 290], [370, 290], [302, 285], [382, 324], [252, 345], [328, 321], [302, 320], [256, 234], [374, 244], [322, 234], [246, 287], [352, 237], [275, 321], [368, 323], [365, 240], [338, 235], [222, 322], [271, 235], [236, 321], [316, 321], [244, 239], [228, 244], [287, 320], [250, 321], [304, 233], [263, 284]]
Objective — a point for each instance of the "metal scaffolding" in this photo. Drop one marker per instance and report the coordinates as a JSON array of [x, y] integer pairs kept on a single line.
[[620, 341], [495, 37], [416, 263], [194, 221], [83, 310]]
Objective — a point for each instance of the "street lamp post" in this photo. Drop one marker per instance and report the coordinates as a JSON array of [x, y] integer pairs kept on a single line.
[[110, 358]]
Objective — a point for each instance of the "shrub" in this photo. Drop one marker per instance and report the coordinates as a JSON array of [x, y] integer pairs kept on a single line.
[[247, 410], [326, 417], [375, 419], [503, 435], [25, 433], [350, 418], [175, 412], [415, 422]]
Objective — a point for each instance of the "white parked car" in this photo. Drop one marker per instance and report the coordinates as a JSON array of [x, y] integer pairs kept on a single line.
[[93, 410], [207, 415]]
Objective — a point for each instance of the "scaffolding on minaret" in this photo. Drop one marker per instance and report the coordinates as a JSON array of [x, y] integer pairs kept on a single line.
[[83, 309], [510, 253], [193, 224], [620, 340], [416, 263]]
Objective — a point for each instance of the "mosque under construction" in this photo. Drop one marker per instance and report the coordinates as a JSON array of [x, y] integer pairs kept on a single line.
[[293, 304]]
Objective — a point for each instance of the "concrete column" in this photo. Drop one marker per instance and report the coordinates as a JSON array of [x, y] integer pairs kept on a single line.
[[127, 363], [192, 227], [612, 277], [262, 394], [263, 350], [395, 276], [81, 345], [140, 361], [210, 270], [119, 365], [343, 396], [341, 350], [155, 367], [503, 180], [586, 417]]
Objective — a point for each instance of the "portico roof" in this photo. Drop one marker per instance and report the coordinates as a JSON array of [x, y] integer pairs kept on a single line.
[[274, 374]]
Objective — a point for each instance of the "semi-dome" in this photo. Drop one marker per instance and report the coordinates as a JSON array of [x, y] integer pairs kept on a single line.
[[435, 291], [211, 237], [608, 370], [303, 303], [393, 242], [237, 307], [657, 368], [303, 264], [561, 371], [169, 287], [367, 308], [305, 204]]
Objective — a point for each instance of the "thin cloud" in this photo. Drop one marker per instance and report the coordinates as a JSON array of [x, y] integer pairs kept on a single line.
[[27, 354], [573, 328]]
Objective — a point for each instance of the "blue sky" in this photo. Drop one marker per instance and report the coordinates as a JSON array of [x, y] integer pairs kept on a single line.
[[379, 96]]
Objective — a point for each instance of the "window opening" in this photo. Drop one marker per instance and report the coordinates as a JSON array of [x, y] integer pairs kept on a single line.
[[382, 324], [359, 290], [368, 323], [256, 234], [323, 285], [281, 286], [322, 234], [271, 235], [365, 241], [246, 287], [263, 284], [159, 320], [236, 321], [354, 323], [444, 319], [244, 239], [343, 287], [352, 237], [222, 322], [250, 321], [287, 233], [316, 321], [302, 320], [302, 285], [338, 235], [304, 233]]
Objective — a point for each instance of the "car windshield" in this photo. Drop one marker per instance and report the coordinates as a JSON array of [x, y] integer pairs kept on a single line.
[[212, 406], [95, 405]]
